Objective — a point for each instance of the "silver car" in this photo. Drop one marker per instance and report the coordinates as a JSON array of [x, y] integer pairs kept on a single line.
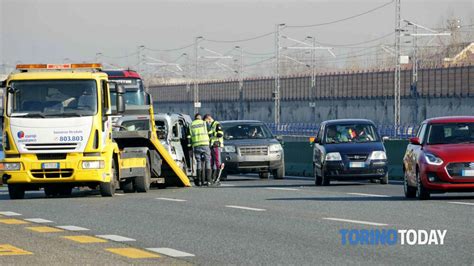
[[249, 146]]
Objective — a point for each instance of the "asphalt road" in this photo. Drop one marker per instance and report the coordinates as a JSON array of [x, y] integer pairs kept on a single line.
[[252, 221]]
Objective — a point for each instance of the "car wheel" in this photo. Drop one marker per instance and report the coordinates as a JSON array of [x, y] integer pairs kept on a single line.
[[224, 175], [325, 179], [410, 192], [384, 179], [373, 180], [317, 179], [16, 191], [264, 175], [279, 173], [421, 192]]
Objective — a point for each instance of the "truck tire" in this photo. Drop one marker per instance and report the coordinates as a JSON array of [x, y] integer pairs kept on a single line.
[[279, 173], [16, 191], [127, 186], [107, 189], [142, 183]]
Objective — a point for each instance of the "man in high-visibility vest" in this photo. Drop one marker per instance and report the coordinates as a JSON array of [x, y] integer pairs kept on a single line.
[[216, 135], [199, 139]]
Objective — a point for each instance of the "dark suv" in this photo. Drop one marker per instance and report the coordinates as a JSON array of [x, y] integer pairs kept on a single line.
[[349, 149]]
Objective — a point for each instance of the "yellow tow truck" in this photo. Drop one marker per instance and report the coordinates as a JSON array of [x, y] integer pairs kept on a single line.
[[57, 134]]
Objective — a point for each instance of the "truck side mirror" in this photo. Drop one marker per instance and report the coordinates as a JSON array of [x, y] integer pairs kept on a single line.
[[148, 99], [415, 141], [3, 84], [120, 99]]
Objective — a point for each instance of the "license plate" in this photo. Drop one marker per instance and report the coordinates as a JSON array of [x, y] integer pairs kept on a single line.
[[467, 173], [356, 164], [50, 165]]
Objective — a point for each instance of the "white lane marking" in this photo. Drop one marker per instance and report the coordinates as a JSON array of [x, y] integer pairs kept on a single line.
[[119, 194], [282, 188], [369, 195], [461, 203], [354, 221], [10, 214], [227, 185], [170, 199], [38, 220], [116, 238], [245, 208], [171, 252], [72, 228]]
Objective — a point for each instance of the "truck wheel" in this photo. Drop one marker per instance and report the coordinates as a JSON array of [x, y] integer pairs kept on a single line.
[[107, 189], [16, 191], [264, 175], [317, 179], [384, 179], [279, 173], [142, 183], [127, 186]]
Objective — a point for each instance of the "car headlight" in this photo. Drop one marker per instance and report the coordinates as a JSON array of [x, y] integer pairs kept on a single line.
[[275, 148], [433, 159], [378, 155], [333, 156], [229, 148], [10, 166], [93, 164]]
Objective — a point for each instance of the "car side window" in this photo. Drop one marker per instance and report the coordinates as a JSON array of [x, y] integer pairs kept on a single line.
[[421, 133], [320, 134]]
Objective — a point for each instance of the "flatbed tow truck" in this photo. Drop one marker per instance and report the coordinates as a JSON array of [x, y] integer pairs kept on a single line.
[[57, 132]]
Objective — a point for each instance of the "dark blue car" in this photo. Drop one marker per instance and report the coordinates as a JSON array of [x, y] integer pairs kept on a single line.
[[349, 149]]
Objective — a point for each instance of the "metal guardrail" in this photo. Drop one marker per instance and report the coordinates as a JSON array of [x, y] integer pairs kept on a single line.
[[311, 129]]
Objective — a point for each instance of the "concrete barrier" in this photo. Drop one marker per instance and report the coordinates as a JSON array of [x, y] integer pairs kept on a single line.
[[299, 157]]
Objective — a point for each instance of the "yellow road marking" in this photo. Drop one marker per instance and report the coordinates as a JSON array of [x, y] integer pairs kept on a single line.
[[85, 239], [44, 229], [132, 253], [9, 250], [13, 221]]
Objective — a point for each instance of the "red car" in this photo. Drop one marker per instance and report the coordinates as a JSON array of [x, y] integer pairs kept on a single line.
[[440, 158]]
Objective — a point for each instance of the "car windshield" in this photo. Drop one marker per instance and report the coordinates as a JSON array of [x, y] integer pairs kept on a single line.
[[246, 131], [135, 125], [452, 133], [350, 133], [52, 98]]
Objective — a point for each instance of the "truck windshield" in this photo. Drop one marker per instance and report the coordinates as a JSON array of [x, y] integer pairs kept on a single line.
[[350, 133], [50, 98], [134, 94], [452, 133], [246, 131]]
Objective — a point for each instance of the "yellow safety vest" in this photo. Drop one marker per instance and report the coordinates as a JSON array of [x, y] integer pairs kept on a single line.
[[199, 134], [214, 132]]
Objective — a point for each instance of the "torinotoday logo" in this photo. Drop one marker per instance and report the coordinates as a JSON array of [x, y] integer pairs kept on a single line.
[[392, 237]]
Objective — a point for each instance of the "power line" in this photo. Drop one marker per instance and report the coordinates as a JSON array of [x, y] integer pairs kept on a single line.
[[343, 19], [169, 50], [241, 40], [119, 57], [358, 43]]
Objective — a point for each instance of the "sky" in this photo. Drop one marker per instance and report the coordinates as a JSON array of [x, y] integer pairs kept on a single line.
[[55, 31]]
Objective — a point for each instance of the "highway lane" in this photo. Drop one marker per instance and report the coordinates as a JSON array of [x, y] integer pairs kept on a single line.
[[252, 221]]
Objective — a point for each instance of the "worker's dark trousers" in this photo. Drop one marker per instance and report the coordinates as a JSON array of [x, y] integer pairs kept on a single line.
[[202, 154]]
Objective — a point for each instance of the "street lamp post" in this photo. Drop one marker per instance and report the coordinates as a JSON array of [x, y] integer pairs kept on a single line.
[[196, 102]]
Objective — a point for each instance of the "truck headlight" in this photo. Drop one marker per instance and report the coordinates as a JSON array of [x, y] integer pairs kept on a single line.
[[93, 164], [229, 149], [378, 155], [275, 148], [10, 166], [433, 159], [333, 156]]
